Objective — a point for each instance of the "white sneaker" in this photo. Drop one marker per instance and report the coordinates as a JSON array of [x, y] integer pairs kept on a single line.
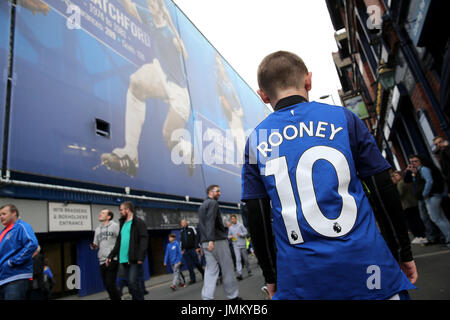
[[423, 240], [265, 292], [416, 240]]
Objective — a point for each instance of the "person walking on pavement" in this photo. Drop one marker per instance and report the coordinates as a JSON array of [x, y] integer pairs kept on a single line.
[[173, 257], [413, 177], [215, 246], [36, 288], [302, 170], [411, 208], [230, 244], [49, 280], [238, 233], [105, 237], [443, 151], [131, 247], [428, 176], [189, 248], [17, 246]]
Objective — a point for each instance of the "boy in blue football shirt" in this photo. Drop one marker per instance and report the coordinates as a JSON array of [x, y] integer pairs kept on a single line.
[[301, 176], [173, 257]]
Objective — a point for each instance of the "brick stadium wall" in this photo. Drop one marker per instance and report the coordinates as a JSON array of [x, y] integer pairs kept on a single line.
[[420, 101]]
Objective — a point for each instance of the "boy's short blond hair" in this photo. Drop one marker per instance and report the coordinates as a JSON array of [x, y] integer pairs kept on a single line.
[[281, 70]]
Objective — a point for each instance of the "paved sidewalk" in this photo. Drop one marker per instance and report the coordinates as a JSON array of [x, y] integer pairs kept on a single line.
[[165, 279], [155, 281]]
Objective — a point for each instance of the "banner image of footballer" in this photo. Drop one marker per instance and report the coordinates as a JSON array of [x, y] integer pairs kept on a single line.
[[102, 94], [225, 110], [163, 78]]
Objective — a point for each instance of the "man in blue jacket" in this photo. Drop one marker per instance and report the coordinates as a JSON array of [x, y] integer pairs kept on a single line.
[[17, 245]]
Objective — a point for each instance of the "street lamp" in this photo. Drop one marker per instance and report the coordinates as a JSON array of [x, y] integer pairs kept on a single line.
[[326, 96], [386, 75]]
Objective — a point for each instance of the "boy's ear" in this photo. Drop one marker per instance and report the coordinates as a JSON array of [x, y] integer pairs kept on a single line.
[[308, 81], [263, 96]]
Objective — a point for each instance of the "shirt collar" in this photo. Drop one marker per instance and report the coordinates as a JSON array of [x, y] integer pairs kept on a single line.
[[107, 224], [289, 101]]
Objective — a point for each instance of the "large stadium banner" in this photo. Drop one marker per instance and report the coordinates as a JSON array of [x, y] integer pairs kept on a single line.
[[5, 13], [225, 111], [126, 93]]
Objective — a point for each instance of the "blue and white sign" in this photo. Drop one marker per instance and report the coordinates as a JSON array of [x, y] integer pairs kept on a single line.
[[416, 26]]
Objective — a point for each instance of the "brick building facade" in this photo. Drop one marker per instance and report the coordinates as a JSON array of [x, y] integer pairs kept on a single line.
[[397, 57]]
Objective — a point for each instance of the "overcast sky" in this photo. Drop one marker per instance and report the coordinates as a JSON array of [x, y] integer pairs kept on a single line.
[[245, 31]]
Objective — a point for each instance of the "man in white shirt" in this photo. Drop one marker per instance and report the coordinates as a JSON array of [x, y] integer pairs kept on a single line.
[[104, 240]]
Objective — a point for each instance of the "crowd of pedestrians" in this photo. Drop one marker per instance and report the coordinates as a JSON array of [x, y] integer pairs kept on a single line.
[[121, 251], [423, 189]]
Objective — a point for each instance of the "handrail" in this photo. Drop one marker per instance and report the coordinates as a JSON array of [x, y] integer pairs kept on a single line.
[[105, 193]]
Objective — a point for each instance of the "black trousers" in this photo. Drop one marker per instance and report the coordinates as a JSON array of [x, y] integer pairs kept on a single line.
[[415, 224], [191, 259], [109, 275]]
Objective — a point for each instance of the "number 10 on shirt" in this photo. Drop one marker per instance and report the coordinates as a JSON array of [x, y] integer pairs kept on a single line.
[[331, 228]]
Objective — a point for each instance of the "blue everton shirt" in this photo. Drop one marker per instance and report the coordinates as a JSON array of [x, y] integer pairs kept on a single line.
[[308, 158]]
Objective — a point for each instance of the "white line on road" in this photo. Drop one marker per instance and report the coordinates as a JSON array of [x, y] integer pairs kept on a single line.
[[432, 254]]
